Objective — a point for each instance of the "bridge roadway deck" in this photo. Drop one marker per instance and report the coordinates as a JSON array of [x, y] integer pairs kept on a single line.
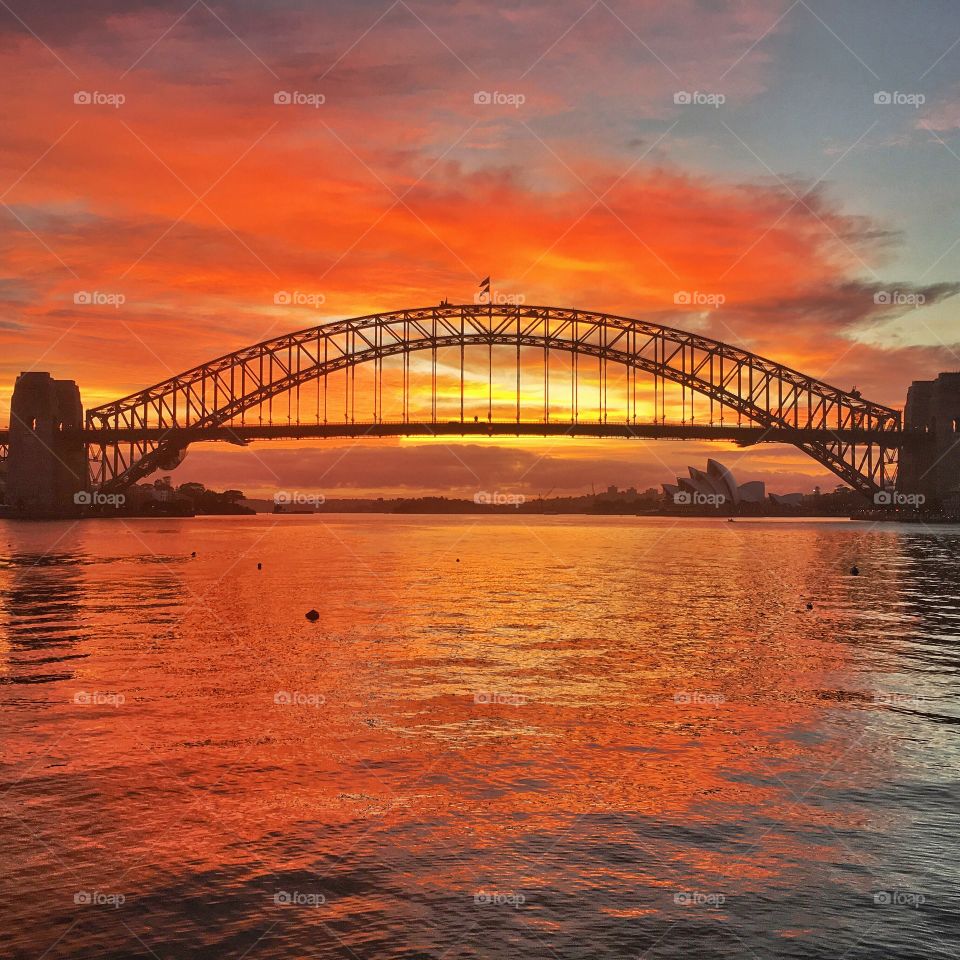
[[744, 435]]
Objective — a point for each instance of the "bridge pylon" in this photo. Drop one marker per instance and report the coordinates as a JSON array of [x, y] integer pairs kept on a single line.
[[932, 468], [47, 463]]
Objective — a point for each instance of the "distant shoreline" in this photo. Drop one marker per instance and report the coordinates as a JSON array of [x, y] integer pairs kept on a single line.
[[599, 505], [582, 506], [351, 511]]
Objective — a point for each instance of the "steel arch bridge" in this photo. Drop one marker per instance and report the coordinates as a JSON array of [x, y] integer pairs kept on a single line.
[[233, 396]]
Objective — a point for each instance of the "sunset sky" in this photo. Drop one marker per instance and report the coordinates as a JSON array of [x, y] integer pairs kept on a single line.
[[812, 185]]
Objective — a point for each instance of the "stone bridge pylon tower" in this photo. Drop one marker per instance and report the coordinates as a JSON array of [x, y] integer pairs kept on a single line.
[[932, 468], [47, 465]]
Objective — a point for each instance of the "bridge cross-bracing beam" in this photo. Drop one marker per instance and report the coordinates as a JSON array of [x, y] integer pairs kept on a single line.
[[759, 390]]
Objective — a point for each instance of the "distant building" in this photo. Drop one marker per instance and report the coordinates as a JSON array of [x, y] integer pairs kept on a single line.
[[787, 499], [614, 494]]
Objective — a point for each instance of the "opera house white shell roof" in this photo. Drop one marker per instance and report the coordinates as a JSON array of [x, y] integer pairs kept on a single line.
[[717, 480]]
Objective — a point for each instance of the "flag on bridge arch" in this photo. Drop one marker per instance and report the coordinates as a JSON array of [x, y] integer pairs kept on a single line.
[[484, 290]]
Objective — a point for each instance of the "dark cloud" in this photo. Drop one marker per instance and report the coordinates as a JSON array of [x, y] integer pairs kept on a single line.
[[837, 307], [64, 21], [462, 469], [15, 293]]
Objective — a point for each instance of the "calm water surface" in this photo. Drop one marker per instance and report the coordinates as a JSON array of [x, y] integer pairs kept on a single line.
[[543, 737]]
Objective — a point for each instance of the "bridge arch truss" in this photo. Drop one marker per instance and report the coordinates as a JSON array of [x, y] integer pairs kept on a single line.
[[854, 438]]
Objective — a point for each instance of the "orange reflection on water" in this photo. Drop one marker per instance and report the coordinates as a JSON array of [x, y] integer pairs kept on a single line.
[[591, 711]]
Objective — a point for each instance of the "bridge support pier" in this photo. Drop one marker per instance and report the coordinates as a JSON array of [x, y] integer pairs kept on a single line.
[[932, 468], [46, 467]]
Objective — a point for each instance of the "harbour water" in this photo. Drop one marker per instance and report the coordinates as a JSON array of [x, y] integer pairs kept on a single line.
[[554, 737]]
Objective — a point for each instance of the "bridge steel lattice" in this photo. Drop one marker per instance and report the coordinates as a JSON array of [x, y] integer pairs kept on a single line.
[[856, 439]]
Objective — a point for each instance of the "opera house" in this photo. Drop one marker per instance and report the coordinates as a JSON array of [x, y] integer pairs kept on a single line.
[[715, 485]]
